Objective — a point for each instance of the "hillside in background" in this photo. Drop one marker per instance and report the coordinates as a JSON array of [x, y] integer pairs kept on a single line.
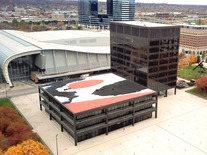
[[141, 7]]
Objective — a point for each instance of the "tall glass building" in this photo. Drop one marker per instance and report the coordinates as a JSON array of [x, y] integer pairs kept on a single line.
[[84, 11], [117, 10], [123, 10], [87, 9]]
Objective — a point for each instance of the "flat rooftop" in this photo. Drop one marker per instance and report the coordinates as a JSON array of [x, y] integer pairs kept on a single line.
[[144, 24], [80, 95]]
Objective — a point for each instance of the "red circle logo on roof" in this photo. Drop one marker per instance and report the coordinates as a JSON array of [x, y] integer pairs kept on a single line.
[[84, 84]]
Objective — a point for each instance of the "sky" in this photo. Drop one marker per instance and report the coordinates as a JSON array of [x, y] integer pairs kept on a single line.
[[189, 2]]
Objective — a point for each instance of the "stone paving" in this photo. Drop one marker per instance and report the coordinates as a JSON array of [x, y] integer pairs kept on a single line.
[[179, 129]]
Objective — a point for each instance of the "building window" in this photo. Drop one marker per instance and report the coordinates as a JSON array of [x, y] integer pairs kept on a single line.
[[127, 30], [135, 32], [113, 28], [144, 33], [119, 28]]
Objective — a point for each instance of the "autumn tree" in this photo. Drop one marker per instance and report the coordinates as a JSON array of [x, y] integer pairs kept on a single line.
[[7, 116], [18, 132], [30, 147], [201, 84], [192, 59], [13, 129], [60, 23], [15, 23], [22, 23]]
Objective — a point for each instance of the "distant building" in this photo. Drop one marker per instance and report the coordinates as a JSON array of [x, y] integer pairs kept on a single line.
[[123, 10], [162, 15], [193, 39], [58, 16], [117, 10], [146, 53], [96, 105]]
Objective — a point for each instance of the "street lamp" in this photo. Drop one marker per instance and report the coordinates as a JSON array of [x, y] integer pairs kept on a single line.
[[56, 144], [5, 90]]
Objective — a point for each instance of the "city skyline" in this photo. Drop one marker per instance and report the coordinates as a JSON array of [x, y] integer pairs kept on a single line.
[[187, 2]]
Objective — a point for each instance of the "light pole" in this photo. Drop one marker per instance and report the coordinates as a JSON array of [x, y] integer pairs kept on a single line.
[[5, 90], [56, 144]]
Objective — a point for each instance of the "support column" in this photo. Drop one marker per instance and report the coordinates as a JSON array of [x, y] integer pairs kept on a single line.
[[40, 98], [175, 90], [133, 119], [165, 93], [88, 60], [66, 60], [156, 106], [50, 117], [62, 129], [77, 58], [54, 62], [107, 127], [75, 130]]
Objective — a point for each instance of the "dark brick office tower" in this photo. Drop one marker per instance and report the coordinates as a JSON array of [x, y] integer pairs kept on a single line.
[[146, 53]]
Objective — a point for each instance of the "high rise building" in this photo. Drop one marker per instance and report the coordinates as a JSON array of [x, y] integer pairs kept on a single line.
[[117, 10], [123, 10], [110, 7], [146, 53], [84, 11]]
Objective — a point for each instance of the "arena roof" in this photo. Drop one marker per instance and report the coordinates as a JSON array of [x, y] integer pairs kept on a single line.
[[14, 44], [80, 95]]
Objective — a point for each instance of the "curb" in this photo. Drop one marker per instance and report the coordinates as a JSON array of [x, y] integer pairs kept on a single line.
[[187, 91]]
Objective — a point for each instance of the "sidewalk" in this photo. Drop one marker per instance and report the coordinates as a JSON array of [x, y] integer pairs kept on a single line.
[[20, 88], [179, 129]]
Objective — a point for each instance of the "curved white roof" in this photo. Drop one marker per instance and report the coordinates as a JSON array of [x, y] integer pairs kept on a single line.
[[14, 44]]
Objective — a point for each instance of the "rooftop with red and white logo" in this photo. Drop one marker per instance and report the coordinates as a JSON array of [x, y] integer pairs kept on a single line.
[[80, 95]]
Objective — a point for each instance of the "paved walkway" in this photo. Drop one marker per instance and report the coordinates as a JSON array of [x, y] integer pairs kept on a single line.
[[179, 129], [20, 88]]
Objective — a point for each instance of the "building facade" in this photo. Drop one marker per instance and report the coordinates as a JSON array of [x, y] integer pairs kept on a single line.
[[112, 102], [193, 39], [146, 53]]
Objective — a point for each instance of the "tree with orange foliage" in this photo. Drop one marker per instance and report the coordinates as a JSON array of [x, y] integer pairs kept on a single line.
[[13, 129], [201, 84], [28, 147], [18, 132], [192, 59], [183, 62], [60, 23]]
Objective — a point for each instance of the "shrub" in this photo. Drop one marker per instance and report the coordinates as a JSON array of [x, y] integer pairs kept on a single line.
[[201, 84], [13, 129], [28, 147]]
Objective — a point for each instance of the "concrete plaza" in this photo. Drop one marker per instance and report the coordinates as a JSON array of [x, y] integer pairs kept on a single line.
[[181, 128]]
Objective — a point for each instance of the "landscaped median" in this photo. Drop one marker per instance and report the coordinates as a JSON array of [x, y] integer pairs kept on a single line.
[[198, 93], [200, 87], [15, 133]]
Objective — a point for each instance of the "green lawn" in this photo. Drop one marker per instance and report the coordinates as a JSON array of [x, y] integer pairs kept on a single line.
[[195, 91], [5, 102], [188, 73]]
